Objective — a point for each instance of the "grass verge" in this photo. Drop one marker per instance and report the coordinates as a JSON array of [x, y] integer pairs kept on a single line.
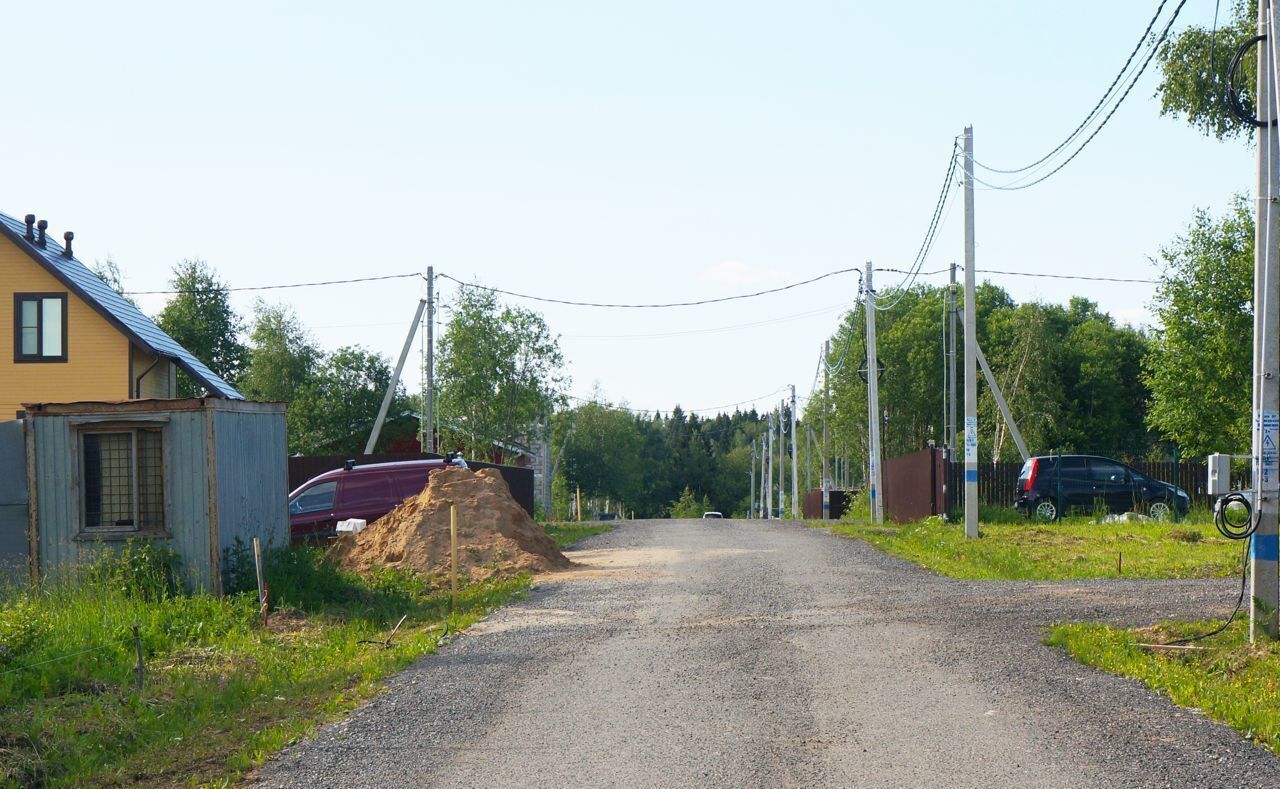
[[220, 692], [1230, 680], [566, 534], [1072, 549]]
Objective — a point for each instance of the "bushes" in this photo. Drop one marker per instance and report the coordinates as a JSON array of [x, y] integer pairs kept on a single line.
[[689, 506]]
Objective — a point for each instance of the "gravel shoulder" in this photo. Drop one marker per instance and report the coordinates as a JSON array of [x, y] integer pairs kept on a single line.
[[748, 653]]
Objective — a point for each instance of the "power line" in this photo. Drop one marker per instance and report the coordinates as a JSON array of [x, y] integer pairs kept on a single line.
[[700, 302], [712, 330], [198, 291], [717, 408], [1045, 276], [1093, 113], [1015, 186], [930, 234], [1067, 276]]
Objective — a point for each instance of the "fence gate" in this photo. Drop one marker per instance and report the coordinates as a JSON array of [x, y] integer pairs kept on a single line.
[[913, 486]]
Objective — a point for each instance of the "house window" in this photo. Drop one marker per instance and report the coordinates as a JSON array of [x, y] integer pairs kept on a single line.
[[123, 480], [40, 327]]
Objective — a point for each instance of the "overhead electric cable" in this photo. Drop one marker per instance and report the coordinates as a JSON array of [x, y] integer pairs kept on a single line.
[[710, 330], [930, 234], [1093, 113], [270, 287], [668, 410], [697, 303], [1016, 186]]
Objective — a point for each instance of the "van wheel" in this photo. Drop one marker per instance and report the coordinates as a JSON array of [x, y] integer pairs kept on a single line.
[[1160, 510], [1046, 510]]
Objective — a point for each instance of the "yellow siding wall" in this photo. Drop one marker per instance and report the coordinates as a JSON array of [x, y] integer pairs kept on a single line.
[[155, 384], [97, 366]]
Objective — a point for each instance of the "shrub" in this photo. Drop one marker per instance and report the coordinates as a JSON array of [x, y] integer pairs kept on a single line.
[[21, 624]]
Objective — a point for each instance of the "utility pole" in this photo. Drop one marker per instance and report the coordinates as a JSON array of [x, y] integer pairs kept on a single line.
[[873, 405], [826, 404], [970, 352], [430, 445], [751, 510], [795, 461], [782, 464], [1264, 582], [395, 380], [951, 380], [768, 470]]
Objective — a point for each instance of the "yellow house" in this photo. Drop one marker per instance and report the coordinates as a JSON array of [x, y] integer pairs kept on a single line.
[[73, 338]]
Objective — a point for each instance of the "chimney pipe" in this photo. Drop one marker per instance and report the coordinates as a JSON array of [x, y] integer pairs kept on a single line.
[[42, 226], [30, 220], [68, 236]]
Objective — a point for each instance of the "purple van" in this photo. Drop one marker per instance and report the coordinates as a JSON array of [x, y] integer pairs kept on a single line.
[[366, 492]]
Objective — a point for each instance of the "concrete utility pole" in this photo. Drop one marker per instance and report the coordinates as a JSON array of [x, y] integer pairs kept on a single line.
[[795, 461], [951, 382], [751, 510], [395, 380], [430, 445], [1264, 582], [826, 404], [970, 352], [873, 405], [768, 473], [782, 464]]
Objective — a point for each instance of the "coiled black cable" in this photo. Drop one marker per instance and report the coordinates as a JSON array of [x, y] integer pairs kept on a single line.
[[1233, 93], [1232, 530]]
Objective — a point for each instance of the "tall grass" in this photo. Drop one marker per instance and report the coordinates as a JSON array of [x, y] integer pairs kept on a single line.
[[220, 690]]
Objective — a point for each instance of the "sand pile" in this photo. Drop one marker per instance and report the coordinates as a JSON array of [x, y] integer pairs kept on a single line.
[[496, 537]]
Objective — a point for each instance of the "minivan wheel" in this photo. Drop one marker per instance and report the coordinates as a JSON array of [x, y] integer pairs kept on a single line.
[[1046, 510], [1160, 510]]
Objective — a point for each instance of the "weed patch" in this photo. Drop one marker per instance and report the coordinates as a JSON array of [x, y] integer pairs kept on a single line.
[[1075, 548], [1228, 678], [566, 534], [220, 692]]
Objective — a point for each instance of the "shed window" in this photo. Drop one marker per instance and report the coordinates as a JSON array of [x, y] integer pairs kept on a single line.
[[123, 480], [40, 327]]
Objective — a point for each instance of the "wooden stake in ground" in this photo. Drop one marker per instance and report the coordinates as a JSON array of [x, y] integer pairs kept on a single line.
[[453, 556], [137, 645], [262, 588]]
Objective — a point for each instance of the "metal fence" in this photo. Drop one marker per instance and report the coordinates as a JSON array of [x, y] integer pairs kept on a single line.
[[998, 482]]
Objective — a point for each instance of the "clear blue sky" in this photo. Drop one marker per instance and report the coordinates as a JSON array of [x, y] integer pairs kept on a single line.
[[643, 151]]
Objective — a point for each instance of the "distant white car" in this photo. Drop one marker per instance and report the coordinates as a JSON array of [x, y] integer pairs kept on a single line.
[[712, 515]]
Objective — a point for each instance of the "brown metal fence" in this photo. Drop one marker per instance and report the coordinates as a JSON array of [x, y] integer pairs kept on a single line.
[[913, 486]]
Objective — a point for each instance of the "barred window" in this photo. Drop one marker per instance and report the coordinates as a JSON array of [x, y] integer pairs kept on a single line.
[[123, 480]]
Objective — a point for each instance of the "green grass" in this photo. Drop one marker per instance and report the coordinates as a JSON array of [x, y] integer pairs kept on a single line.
[[1076, 548], [1233, 681], [566, 534], [221, 693]]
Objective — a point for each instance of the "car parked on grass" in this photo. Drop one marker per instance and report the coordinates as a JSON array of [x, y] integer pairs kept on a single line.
[[366, 492], [1050, 485]]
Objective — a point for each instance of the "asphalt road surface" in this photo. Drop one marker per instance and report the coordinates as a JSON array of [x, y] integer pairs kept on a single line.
[[746, 653]]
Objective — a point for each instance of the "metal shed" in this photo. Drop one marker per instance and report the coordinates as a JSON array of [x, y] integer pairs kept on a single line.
[[197, 474]]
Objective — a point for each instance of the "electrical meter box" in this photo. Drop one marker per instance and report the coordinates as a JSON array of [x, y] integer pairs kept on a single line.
[[1219, 474]]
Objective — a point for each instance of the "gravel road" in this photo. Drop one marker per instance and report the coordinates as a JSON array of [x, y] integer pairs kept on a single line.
[[749, 653]]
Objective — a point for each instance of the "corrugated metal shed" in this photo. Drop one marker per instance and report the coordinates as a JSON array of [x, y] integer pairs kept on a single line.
[[224, 476], [114, 307]]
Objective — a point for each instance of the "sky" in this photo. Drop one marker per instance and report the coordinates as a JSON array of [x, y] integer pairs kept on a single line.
[[599, 151]]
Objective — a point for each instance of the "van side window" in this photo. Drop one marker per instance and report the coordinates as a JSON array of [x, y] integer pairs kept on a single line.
[[316, 498], [361, 490], [1104, 471]]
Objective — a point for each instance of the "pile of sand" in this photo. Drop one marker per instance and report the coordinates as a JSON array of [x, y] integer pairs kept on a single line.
[[496, 537]]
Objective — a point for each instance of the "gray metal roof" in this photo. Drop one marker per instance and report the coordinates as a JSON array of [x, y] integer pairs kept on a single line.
[[114, 307]]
